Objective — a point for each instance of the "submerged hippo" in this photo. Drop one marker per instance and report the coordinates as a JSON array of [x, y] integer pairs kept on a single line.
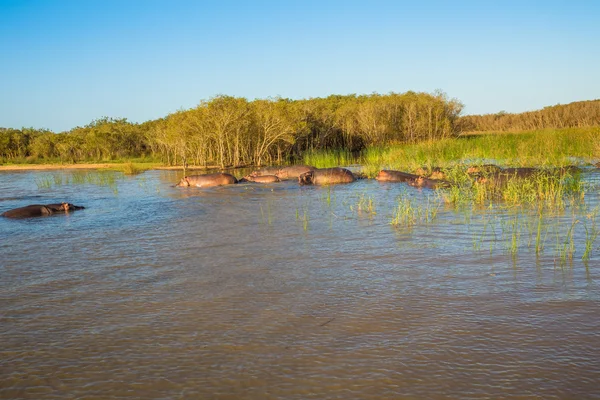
[[431, 173], [260, 179], [208, 180], [326, 176], [484, 169], [293, 171], [428, 183], [522, 172], [387, 175], [265, 171], [39, 210], [506, 175], [411, 179]]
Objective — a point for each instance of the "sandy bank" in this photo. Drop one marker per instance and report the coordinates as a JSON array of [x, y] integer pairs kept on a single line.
[[117, 166]]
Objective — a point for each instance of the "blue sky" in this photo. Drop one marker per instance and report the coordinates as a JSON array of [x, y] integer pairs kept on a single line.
[[66, 63]]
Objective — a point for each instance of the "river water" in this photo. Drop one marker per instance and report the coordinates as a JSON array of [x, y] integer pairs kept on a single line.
[[280, 291]]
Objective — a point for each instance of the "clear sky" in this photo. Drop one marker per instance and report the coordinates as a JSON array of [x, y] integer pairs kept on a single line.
[[65, 63]]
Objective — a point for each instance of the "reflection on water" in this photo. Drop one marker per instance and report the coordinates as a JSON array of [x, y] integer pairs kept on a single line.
[[281, 291]]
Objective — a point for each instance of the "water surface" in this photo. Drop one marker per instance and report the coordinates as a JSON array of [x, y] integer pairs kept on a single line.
[[282, 291]]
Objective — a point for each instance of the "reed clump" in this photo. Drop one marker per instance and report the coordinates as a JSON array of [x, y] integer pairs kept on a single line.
[[130, 168], [329, 158], [409, 212], [365, 205], [548, 188]]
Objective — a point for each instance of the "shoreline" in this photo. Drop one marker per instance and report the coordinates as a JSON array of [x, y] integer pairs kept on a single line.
[[44, 167]]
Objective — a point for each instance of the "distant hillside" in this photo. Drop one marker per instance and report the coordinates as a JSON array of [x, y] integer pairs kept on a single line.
[[572, 115]]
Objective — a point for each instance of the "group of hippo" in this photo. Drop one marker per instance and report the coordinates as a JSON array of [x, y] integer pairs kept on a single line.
[[432, 179], [307, 175]]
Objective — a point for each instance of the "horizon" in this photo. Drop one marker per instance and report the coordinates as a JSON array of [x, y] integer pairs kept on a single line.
[[71, 63]]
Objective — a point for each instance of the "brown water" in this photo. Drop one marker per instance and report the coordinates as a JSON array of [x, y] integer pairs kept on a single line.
[[280, 291]]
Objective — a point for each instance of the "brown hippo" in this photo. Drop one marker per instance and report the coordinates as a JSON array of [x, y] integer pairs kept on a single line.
[[431, 173], [293, 171], [523, 172], [387, 175], [208, 180], [326, 176], [266, 171], [428, 183], [411, 179], [260, 178], [484, 169], [39, 210], [567, 169], [506, 175]]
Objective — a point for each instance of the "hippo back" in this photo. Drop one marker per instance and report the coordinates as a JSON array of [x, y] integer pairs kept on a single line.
[[208, 180], [293, 171], [34, 210], [395, 176], [262, 178], [265, 171], [326, 176]]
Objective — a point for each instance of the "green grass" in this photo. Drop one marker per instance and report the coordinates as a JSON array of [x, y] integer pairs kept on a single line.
[[329, 158], [542, 148], [131, 168], [107, 178], [552, 147], [546, 188], [410, 212]]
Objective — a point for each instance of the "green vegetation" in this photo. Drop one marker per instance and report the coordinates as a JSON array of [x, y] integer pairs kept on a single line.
[[98, 178], [329, 158], [230, 131], [405, 131], [573, 115], [551, 148], [411, 212], [546, 148], [365, 205]]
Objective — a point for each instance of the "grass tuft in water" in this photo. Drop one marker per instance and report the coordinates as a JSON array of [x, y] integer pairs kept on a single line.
[[591, 234], [408, 213], [130, 168], [365, 205]]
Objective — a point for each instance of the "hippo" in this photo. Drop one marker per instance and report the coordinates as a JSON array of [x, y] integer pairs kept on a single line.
[[395, 176], [484, 169], [411, 179], [293, 171], [503, 176], [208, 180], [433, 173], [428, 183], [568, 169], [260, 179], [519, 172], [326, 176], [39, 210], [266, 171]]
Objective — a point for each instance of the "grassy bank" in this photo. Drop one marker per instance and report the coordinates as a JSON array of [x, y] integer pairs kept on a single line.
[[545, 148], [126, 167]]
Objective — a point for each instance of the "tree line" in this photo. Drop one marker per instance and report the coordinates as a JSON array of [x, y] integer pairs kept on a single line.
[[573, 115], [233, 131]]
